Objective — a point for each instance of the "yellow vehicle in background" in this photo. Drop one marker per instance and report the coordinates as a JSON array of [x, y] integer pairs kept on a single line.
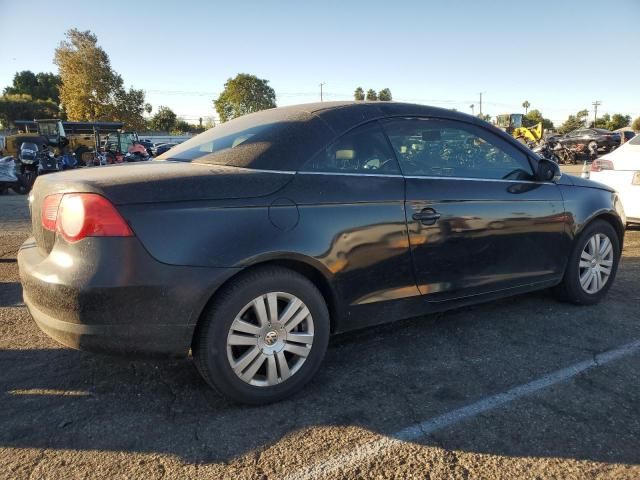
[[61, 137], [512, 124]]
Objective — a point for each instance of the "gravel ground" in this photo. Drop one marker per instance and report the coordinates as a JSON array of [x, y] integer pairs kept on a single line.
[[68, 414]]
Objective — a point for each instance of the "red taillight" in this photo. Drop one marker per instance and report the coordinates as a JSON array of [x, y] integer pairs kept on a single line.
[[49, 214], [80, 215], [600, 165]]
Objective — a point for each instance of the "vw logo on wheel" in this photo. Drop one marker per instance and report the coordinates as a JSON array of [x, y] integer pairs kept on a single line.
[[271, 337]]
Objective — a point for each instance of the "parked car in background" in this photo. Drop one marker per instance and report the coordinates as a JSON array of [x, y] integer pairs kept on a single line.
[[594, 139], [251, 243], [161, 148], [620, 170], [628, 135]]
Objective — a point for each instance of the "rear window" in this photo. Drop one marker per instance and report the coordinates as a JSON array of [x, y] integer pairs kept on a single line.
[[276, 139]]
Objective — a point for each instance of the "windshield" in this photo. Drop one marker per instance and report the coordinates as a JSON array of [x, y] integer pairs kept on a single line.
[[516, 120], [635, 140]]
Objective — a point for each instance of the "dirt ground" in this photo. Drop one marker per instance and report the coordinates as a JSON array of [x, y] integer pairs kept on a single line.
[[423, 398]]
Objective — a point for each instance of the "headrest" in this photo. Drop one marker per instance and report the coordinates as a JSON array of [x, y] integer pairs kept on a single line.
[[345, 154]]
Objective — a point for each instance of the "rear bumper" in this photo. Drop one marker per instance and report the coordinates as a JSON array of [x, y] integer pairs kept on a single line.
[[109, 295]]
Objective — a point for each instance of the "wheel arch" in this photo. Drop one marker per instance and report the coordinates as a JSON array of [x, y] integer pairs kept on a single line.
[[609, 217], [307, 267]]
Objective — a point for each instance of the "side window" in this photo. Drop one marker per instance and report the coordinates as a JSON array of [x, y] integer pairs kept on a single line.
[[363, 150], [447, 148]]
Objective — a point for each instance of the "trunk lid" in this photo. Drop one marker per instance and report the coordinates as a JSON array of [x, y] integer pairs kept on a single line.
[[152, 182]]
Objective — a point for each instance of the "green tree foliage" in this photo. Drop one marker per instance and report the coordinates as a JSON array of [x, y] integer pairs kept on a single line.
[[636, 125], [534, 117], [182, 127], [41, 86], [612, 122], [385, 95], [619, 120], [358, 95], [244, 94], [91, 90], [165, 120], [371, 95], [526, 106], [602, 121], [148, 108], [23, 107], [574, 122]]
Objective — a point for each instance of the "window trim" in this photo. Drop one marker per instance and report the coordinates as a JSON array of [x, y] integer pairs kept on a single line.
[[480, 127]]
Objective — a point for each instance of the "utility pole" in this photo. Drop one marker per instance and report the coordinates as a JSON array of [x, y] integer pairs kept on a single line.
[[595, 104], [321, 85], [480, 103], [472, 109]]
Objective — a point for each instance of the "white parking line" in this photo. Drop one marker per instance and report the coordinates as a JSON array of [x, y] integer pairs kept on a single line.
[[414, 432]]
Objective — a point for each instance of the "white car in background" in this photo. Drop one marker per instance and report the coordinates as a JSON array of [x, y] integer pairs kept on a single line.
[[620, 169]]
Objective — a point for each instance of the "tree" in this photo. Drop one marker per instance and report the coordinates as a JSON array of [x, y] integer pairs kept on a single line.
[[244, 94], [574, 122], [484, 116], [601, 121], [618, 121], [636, 125], [148, 108], [372, 95], [526, 106], [358, 95], [385, 95], [91, 90], [164, 120], [612, 122], [41, 86], [128, 107], [534, 117], [23, 107]]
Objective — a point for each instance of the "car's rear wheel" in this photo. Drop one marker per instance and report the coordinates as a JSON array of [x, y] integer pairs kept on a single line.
[[263, 337], [592, 265]]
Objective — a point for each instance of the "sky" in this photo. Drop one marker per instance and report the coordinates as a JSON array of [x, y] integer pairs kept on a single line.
[[561, 56]]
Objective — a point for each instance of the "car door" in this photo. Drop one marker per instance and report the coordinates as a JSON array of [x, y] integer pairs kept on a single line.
[[478, 221], [350, 198]]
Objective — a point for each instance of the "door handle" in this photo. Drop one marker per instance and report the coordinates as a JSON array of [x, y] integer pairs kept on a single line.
[[427, 216]]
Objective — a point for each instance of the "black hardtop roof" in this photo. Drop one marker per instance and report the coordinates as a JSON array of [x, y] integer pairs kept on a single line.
[[294, 133], [342, 115]]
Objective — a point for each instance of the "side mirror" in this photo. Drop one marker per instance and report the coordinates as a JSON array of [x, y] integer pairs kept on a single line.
[[548, 171]]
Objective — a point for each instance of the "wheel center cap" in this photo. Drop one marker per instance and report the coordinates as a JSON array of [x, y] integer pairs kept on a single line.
[[270, 338], [594, 262]]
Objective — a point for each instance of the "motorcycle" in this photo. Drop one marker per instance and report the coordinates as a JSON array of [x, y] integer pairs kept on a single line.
[[547, 150], [8, 178], [50, 163], [564, 154], [27, 167]]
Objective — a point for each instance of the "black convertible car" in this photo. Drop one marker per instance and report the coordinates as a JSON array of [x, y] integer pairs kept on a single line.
[[251, 243]]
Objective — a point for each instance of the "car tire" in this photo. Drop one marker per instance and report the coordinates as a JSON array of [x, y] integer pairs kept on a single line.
[[234, 314], [572, 288]]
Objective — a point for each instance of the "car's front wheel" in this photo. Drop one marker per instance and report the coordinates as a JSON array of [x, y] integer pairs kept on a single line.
[[592, 266], [263, 337]]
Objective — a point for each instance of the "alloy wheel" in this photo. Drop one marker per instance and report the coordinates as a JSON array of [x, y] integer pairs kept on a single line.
[[596, 263], [270, 339]]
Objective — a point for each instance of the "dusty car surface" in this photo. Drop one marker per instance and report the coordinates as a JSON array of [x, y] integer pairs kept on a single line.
[[253, 242]]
